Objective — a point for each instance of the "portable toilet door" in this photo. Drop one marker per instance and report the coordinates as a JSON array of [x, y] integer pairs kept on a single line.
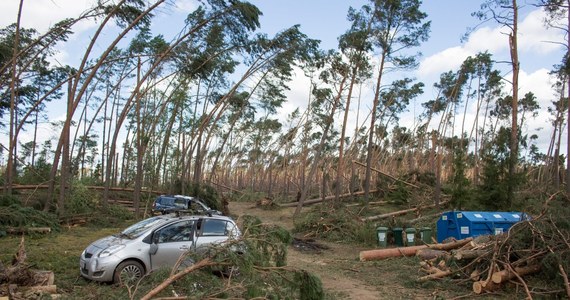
[[449, 225]]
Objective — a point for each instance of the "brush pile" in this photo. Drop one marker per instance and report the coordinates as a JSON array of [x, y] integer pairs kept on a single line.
[[529, 256]]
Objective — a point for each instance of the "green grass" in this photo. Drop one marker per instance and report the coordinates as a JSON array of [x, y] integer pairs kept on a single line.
[[59, 252]]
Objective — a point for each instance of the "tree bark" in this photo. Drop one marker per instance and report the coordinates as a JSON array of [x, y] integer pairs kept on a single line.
[[369, 152], [507, 274], [201, 264], [13, 104], [318, 152], [514, 105], [378, 254]]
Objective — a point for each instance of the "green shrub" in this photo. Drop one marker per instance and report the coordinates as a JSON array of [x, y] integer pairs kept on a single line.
[[7, 200], [338, 225], [15, 215]]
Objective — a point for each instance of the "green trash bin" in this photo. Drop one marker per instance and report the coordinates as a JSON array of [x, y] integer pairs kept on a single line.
[[410, 236], [425, 235], [398, 239], [382, 234]]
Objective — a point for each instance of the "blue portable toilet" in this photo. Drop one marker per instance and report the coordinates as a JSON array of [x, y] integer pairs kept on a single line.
[[464, 224]]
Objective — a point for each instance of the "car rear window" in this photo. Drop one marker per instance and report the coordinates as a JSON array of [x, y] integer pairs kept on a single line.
[[165, 200], [180, 203]]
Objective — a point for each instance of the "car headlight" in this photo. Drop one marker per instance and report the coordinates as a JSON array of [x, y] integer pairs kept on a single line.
[[111, 250]]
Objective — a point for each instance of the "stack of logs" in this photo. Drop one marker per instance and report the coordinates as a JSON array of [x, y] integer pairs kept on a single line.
[[477, 258], [19, 281]]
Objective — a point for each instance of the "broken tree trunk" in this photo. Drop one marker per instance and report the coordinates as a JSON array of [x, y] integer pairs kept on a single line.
[[201, 264], [385, 174], [507, 274], [319, 200], [398, 213], [378, 254], [412, 221]]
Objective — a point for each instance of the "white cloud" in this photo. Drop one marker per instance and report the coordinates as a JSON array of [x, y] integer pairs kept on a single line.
[[539, 83], [448, 59], [535, 38], [41, 14], [487, 39], [186, 6]]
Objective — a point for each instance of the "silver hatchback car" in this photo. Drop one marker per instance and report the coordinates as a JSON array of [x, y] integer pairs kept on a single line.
[[151, 244]]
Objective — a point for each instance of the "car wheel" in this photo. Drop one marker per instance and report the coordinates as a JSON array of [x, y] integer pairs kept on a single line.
[[128, 272]]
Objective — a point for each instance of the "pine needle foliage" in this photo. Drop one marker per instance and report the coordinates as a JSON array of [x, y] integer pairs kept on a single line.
[[337, 225], [251, 267], [15, 215]]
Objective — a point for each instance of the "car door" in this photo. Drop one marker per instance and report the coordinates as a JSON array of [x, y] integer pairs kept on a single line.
[[212, 231], [171, 242]]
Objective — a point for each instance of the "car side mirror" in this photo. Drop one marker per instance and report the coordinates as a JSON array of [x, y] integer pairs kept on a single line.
[[153, 249]]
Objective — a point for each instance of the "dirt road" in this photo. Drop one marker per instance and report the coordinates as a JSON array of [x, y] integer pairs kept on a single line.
[[342, 274]]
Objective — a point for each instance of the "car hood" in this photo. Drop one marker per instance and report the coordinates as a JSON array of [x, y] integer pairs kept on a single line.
[[105, 243]]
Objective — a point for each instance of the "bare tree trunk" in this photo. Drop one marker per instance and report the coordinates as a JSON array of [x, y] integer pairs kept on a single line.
[[64, 173], [340, 167], [319, 150], [369, 151], [557, 150], [35, 138], [13, 94], [568, 97], [514, 105], [139, 144]]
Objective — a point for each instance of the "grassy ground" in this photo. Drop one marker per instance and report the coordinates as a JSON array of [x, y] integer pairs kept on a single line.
[[342, 274]]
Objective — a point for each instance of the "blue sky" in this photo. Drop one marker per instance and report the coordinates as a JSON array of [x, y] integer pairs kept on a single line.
[[326, 20]]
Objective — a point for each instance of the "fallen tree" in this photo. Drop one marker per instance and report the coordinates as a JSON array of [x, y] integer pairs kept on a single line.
[[378, 254], [327, 198], [540, 246], [400, 212]]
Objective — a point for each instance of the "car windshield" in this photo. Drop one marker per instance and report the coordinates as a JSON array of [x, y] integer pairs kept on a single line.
[[141, 227]]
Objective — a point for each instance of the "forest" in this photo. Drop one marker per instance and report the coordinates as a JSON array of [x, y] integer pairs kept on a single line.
[[199, 113], [202, 108]]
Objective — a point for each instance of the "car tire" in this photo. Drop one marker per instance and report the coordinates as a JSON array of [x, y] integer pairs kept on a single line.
[[128, 272]]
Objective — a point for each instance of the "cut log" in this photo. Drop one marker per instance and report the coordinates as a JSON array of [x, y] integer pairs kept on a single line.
[[507, 274], [469, 254], [378, 254], [484, 286], [429, 254], [475, 275]]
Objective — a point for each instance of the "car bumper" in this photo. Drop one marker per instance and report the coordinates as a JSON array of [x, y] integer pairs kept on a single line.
[[98, 269]]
